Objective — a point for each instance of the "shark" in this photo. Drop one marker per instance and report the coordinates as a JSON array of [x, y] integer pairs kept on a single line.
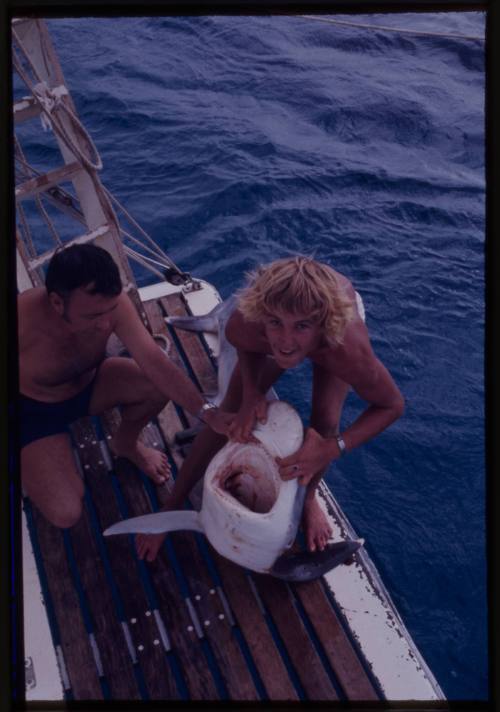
[[248, 513]]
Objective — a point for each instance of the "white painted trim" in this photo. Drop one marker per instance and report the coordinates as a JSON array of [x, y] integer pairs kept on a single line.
[[38, 643], [374, 621]]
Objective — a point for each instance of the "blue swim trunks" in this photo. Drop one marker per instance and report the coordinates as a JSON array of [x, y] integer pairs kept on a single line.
[[39, 419]]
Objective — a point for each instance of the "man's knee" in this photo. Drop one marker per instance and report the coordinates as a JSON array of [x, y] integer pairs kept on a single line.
[[65, 516]]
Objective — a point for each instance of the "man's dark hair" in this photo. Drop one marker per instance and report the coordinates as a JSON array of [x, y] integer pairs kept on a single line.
[[83, 266]]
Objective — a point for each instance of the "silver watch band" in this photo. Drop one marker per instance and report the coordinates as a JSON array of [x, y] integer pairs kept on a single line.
[[341, 444], [206, 406]]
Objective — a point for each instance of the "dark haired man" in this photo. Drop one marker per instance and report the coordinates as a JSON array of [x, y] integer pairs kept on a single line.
[[63, 331]]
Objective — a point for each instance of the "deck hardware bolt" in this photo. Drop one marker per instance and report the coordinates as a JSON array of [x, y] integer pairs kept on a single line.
[[206, 623], [140, 647], [133, 620], [101, 462], [86, 467], [82, 446], [94, 442], [190, 628], [198, 597], [212, 591], [156, 642], [155, 444], [221, 616], [107, 436], [148, 613]]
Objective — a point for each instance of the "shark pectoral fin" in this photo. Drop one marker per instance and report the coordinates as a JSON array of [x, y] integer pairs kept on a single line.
[[193, 323], [157, 523], [309, 565]]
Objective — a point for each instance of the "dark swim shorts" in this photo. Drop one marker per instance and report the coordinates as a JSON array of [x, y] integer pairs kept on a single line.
[[39, 420]]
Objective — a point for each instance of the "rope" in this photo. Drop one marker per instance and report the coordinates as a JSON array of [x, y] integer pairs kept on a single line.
[[50, 102], [385, 28]]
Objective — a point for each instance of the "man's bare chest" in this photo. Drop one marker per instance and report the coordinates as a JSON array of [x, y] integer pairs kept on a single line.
[[53, 362]]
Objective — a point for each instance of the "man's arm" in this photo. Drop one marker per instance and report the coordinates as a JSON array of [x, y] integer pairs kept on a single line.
[[170, 380], [373, 383], [358, 366]]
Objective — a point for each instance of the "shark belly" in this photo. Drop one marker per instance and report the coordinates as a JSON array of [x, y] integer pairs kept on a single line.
[[248, 512]]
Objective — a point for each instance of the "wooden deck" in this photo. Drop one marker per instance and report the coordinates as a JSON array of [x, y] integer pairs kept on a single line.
[[191, 625]]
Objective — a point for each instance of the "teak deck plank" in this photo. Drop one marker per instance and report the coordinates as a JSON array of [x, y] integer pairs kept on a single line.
[[75, 644], [343, 659], [172, 606], [307, 664], [193, 348], [154, 665], [250, 619], [180, 629], [116, 661], [230, 660], [196, 672], [218, 631]]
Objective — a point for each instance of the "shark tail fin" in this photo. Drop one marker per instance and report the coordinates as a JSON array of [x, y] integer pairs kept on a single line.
[[157, 523], [309, 565]]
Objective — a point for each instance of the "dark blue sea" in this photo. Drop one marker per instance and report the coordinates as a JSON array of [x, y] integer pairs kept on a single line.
[[237, 140]]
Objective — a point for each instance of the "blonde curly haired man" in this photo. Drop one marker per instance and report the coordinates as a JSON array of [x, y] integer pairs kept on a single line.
[[295, 309]]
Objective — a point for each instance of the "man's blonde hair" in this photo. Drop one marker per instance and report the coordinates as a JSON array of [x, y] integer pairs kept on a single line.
[[298, 285]]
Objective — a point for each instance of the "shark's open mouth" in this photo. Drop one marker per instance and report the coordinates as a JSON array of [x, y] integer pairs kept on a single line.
[[252, 479]]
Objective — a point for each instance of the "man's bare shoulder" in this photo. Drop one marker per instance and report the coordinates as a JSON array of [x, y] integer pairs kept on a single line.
[[354, 354], [126, 312], [31, 297], [245, 335], [31, 308]]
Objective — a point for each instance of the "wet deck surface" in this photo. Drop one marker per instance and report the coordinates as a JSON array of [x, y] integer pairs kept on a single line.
[[190, 625]]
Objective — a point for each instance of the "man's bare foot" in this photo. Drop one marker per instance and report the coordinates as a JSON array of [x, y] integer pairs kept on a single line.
[[153, 463], [148, 545], [315, 524]]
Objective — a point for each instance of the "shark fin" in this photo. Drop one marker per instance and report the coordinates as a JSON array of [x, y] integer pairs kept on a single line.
[[157, 523], [206, 322], [309, 565]]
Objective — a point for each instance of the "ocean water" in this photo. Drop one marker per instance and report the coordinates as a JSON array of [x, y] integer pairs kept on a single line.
[[237, 140]]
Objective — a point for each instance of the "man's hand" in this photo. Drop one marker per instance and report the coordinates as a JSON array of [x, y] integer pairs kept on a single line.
[[313, 457], [244, 421]]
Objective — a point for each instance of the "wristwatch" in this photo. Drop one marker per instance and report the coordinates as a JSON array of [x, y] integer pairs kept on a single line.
[[341, 444], [206, 406]]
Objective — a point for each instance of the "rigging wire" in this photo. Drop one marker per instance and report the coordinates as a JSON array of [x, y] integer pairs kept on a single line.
[[153, 246], [385, 28]]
